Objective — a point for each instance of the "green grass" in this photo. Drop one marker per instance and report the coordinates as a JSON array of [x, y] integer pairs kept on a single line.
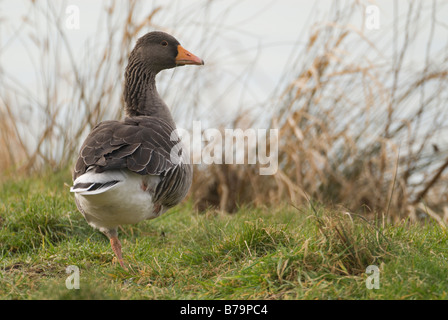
[[282, 253]]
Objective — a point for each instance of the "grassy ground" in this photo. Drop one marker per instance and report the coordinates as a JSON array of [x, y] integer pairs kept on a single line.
[[286, 253]]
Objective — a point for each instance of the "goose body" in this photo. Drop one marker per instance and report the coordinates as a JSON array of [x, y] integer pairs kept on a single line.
[[126, 171], [117, 197]]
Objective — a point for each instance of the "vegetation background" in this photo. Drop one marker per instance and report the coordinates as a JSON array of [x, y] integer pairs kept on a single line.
[[362, 116]]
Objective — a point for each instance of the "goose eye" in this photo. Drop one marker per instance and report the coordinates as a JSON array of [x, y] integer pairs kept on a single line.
[[164, 43]]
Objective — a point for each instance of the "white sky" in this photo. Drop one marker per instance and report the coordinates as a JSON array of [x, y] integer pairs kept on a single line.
[[276, 27], [261, 34]]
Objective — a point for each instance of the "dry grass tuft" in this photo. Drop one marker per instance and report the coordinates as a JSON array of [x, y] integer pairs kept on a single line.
[[352, 131]]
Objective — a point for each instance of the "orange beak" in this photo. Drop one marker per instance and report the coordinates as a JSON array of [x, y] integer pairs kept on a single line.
[[184, 57]]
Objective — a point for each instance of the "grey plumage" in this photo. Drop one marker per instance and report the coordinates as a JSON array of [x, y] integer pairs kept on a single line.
[[142, 145], [135, 169]]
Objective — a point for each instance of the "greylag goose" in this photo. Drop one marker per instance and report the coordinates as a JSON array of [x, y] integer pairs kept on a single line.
[[124, 173]]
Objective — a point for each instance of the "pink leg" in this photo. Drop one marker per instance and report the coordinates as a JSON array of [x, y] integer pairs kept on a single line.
[[116, 246]]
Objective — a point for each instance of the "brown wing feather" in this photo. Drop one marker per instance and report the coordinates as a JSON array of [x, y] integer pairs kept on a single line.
[[140, 144]]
